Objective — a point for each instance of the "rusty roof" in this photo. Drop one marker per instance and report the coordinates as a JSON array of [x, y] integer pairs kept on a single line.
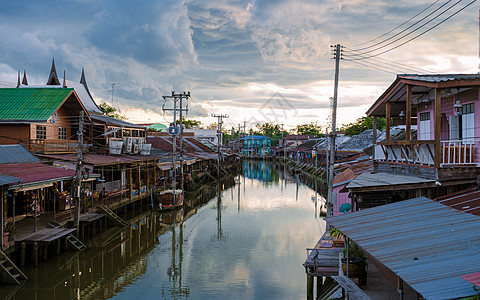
[[466, 200], [473, 278], [165, 143], [99, 159], [35, 172]]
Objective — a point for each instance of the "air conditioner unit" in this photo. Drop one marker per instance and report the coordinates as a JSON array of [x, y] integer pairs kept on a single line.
[[128, 145], [135, 148]]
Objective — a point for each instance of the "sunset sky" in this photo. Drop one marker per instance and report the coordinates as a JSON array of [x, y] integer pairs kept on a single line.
[[257, 61]]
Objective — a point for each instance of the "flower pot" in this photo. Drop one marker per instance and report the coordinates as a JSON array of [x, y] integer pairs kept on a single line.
[[355, 267]]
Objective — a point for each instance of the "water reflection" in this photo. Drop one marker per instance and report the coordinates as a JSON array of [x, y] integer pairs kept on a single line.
[[242, 237]]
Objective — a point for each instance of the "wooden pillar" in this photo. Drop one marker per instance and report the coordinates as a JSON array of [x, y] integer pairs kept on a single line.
[[129, 180], [59, 243], [309, 287], [374, 142], [437, 129], [35, 254], [23, 248], [387, 121], [408, 113], [138, 178], [319, 285], [45, 252], [154, 173], [147, 175]]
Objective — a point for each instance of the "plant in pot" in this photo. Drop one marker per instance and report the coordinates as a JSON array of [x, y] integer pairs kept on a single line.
[[357, 263]]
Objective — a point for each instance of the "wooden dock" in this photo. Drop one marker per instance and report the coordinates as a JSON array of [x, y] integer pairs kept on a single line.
[[47, 235], [322, 260]]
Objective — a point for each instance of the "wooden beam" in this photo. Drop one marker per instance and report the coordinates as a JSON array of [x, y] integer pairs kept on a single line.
[[387, 121], [408, 134], [375, 119], [437, 127]]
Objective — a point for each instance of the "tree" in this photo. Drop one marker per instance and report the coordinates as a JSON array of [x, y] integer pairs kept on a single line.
[[111, 111], [189, 123], [273, 131], [309, 129], [362, 124]]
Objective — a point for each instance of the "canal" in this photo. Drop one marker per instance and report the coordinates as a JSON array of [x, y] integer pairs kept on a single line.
[[246, 242]]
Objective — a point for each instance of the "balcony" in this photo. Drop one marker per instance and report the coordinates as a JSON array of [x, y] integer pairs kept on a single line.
[[52, 146]]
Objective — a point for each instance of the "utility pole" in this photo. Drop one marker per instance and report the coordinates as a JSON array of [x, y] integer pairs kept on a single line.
[[177, 98], [78, 179], [219, 135], [283, 142], [331, 161]]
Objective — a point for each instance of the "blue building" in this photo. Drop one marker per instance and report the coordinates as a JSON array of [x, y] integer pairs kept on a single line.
[[257, 145]]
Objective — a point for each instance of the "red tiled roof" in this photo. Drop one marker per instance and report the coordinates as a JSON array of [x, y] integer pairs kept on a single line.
[[466, 200], [35, 172]]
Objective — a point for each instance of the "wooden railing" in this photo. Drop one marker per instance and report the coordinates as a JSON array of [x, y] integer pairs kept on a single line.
[[458, 152], [453, 152], [52, 146], [410, 152]]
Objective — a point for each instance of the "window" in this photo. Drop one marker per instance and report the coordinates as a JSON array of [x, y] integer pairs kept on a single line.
[[118, 133], [468, 123], [62, 133], [424, 133], [142, 133], [126, 132], [41, 132], [134, 133]]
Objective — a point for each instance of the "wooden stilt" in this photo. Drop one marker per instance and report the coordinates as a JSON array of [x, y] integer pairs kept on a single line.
[[309, 287], [35, 254], [23, 247]]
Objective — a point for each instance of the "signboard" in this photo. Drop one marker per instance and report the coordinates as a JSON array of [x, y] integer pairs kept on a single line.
[[173, 130]]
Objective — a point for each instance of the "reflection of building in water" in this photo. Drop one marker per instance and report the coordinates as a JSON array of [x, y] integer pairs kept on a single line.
[[260, 170]]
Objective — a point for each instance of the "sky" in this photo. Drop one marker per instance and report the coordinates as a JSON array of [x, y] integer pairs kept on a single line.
[[255, 60]]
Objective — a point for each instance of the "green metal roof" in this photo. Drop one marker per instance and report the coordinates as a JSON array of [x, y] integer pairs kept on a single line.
[[31, 103]]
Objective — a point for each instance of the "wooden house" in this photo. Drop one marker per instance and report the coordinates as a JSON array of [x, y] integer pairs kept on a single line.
[[442, 157], [43, 119]]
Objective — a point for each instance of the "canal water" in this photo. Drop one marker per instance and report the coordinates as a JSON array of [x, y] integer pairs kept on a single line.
[[247, 242]]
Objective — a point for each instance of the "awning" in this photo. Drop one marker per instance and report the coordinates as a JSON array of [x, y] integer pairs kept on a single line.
[[164, 167], [387, 181], [427, 244]]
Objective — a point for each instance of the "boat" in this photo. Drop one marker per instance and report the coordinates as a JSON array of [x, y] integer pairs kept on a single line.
[[166, 199]]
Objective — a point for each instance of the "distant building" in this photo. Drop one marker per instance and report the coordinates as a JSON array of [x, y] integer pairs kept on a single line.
[[257, 145]]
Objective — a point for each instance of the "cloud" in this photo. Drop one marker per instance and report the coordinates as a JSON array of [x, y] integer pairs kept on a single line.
[[155, 33]]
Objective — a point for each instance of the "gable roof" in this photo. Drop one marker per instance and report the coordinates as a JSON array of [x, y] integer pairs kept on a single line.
[[32, 104]]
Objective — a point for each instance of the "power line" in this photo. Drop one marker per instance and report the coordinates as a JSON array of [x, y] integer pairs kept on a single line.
[[404, 30], [398, 25], [415, 37]]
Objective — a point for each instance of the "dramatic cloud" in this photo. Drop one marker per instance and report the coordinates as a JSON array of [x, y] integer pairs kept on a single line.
[[257, 60]]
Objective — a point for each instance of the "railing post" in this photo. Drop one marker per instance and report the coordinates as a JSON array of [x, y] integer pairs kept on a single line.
[[437, 130]]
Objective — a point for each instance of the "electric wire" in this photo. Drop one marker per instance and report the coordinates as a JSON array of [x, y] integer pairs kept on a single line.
[[415, 37], [386, 33], [404, 30]]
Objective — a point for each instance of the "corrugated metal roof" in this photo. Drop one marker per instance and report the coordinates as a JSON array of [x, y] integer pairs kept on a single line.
[[12, 154], [368, 179], [473, 278], [35, 172], [31, 103], [466, 200], [8, 180], [429, 245], [113, 121], [440, 77]]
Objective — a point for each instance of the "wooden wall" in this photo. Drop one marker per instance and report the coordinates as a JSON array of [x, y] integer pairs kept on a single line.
[[63, 120], [16, 131]]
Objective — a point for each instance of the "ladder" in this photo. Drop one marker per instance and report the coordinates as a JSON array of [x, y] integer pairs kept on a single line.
[[113, 216], [10, 272], [75, 243]]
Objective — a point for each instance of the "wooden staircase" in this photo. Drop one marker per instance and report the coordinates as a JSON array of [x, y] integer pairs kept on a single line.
[[75, 243], [10, 272], [113, 216], [72, 240]]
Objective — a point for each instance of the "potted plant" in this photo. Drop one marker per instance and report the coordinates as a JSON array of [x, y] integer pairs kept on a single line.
[[357, 263]]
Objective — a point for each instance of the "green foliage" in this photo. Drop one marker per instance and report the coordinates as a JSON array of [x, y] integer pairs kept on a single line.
[[476, 296], [111, 111], [273, 131], [189, 123], [334, 232], [308, 129], [361, 125]]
